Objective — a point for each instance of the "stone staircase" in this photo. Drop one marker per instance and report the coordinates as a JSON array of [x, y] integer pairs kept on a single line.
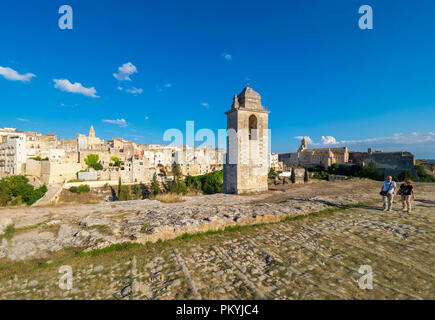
[[51, 197]]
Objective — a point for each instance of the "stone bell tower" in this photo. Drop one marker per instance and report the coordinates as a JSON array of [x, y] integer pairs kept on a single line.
[[246, 166]]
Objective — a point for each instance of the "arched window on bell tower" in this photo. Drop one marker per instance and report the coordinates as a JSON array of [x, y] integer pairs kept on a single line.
[[253, 128]]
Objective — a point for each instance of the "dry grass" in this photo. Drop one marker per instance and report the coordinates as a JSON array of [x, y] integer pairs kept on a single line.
[[168, 198]]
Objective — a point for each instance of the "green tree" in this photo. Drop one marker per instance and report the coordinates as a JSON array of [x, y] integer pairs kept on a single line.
[[116, 162], [423, 176], [92, 162], [124, 194], [155, 185], [178, 174], [371, 171], [135, 189], [272, 173], [306, 175], [119, 186], [178, 185], [293, 177], [17, 189]]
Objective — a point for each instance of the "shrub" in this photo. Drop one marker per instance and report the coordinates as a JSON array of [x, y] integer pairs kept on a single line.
[[371, 171], [272, 173], [209, 183], [168, 197], [116, 162], [92, 162], [98, 166], [177, 187], [17, 190], [38, 158], [124, 194], [135, 189], [84, 188], [423, 176], [404, 175]]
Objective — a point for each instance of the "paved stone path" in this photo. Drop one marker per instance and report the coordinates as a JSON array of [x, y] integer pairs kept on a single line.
[[313, 258]]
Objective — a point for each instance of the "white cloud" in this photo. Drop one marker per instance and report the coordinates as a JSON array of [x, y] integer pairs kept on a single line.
[[146, 118], [119, 122], [168, 85], [11, 74], [328, 140], [66, 85], [307, 139], [397, 140], [205, 104], [120, 88], [125, 71], [227, 56], [135, 90], [23, 120]]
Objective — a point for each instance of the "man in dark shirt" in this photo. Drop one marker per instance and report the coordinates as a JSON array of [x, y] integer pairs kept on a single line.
[[407, 192]]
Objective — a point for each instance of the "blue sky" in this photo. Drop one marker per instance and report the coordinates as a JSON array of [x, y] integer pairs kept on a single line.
[[318, 73]]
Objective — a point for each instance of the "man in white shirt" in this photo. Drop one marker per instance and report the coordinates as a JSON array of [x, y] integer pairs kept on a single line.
[[389, 190]]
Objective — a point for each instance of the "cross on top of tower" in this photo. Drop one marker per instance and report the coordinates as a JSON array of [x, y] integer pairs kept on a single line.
[[248, 81]]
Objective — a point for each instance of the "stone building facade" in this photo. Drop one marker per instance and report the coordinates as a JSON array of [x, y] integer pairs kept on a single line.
[[12, 154], [310, 158], [45, 159], [247, 164], [389, 163]]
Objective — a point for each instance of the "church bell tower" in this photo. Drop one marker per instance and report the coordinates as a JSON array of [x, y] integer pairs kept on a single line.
[[246, 166]]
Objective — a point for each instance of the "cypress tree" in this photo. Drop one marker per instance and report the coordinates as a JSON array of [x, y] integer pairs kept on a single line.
[[306, 175]]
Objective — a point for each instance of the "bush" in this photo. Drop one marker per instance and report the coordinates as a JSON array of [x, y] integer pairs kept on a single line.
[[92, 162], [38, 158], [272, 173], [177, 187], [209, 183], [371, 171], [84, 188], [124, 194], [167, 198], [404, 175], [116, 162], [135, 189], [97, 166], [423, 176], [16, 190]]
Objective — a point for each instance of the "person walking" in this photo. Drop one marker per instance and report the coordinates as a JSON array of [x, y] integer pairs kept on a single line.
[[388, 191], [406, 191]]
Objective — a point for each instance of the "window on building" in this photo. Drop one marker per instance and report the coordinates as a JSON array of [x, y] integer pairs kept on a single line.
[[252, 127]]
